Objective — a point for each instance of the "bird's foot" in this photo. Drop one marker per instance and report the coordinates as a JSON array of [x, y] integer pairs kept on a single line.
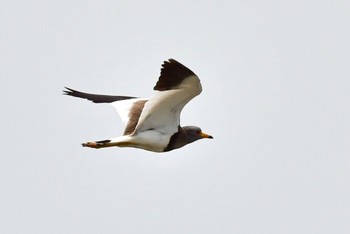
[[91, 145], [97, 144]]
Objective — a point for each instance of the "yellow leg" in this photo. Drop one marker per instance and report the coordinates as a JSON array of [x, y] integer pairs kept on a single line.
[[105, 143]]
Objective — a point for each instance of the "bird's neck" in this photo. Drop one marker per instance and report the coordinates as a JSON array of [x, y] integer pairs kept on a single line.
[[177, 140]]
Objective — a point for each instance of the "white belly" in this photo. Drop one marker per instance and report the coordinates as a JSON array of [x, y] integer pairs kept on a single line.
[[150, 140]]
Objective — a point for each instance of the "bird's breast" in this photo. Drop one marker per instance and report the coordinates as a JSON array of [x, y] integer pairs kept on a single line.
[[151, 140]]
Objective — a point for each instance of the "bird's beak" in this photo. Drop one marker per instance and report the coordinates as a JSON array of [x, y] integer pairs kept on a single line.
[[204, 135]]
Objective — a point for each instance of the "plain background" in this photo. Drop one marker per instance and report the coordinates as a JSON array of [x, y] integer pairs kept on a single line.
[[276, 95]]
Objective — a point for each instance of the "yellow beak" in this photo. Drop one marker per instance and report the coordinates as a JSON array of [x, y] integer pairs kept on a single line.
[[204, 135]]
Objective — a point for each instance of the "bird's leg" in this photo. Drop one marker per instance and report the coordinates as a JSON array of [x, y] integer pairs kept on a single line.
[[97, 144], [118, 141]]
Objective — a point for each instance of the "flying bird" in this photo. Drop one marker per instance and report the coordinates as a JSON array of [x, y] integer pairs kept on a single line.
[[153, 123]]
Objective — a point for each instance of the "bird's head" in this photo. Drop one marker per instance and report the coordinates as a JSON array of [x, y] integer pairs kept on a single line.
[[194, 133]]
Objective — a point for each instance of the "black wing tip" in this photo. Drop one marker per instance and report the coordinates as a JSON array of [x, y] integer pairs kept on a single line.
[[69, 91], [95, 98], [170, 61], [172, 73], [173, 65], [74, 93]]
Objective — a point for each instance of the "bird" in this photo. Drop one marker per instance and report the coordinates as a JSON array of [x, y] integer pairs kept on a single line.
[[153, 124]]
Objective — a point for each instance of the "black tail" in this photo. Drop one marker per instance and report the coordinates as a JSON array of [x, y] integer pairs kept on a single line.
[[96, 98]]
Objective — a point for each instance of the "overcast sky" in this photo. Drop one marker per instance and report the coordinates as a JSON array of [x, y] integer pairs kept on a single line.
[[276, 98]]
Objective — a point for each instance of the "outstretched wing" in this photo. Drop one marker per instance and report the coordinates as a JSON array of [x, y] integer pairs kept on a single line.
[[96, 98], [128, 108], [129, 111], [176, 86]]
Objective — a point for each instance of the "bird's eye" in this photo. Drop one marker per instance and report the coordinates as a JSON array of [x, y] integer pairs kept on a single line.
[[198, 132]]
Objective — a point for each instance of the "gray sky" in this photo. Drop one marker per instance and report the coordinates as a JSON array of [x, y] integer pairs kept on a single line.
[[275, 78]]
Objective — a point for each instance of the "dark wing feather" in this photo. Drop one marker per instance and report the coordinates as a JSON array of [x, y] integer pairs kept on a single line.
[[96, 98], [171, 75], [162, 111]]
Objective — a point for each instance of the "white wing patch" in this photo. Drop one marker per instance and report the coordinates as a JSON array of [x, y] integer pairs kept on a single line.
[[162, 111], [123, 108]]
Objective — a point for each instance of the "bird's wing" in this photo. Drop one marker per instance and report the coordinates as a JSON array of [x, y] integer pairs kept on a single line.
[[96, 98], [176, 86], [128, 108], [129, 111]]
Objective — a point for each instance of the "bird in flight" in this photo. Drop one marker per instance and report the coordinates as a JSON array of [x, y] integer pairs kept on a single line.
[[153, 123]]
